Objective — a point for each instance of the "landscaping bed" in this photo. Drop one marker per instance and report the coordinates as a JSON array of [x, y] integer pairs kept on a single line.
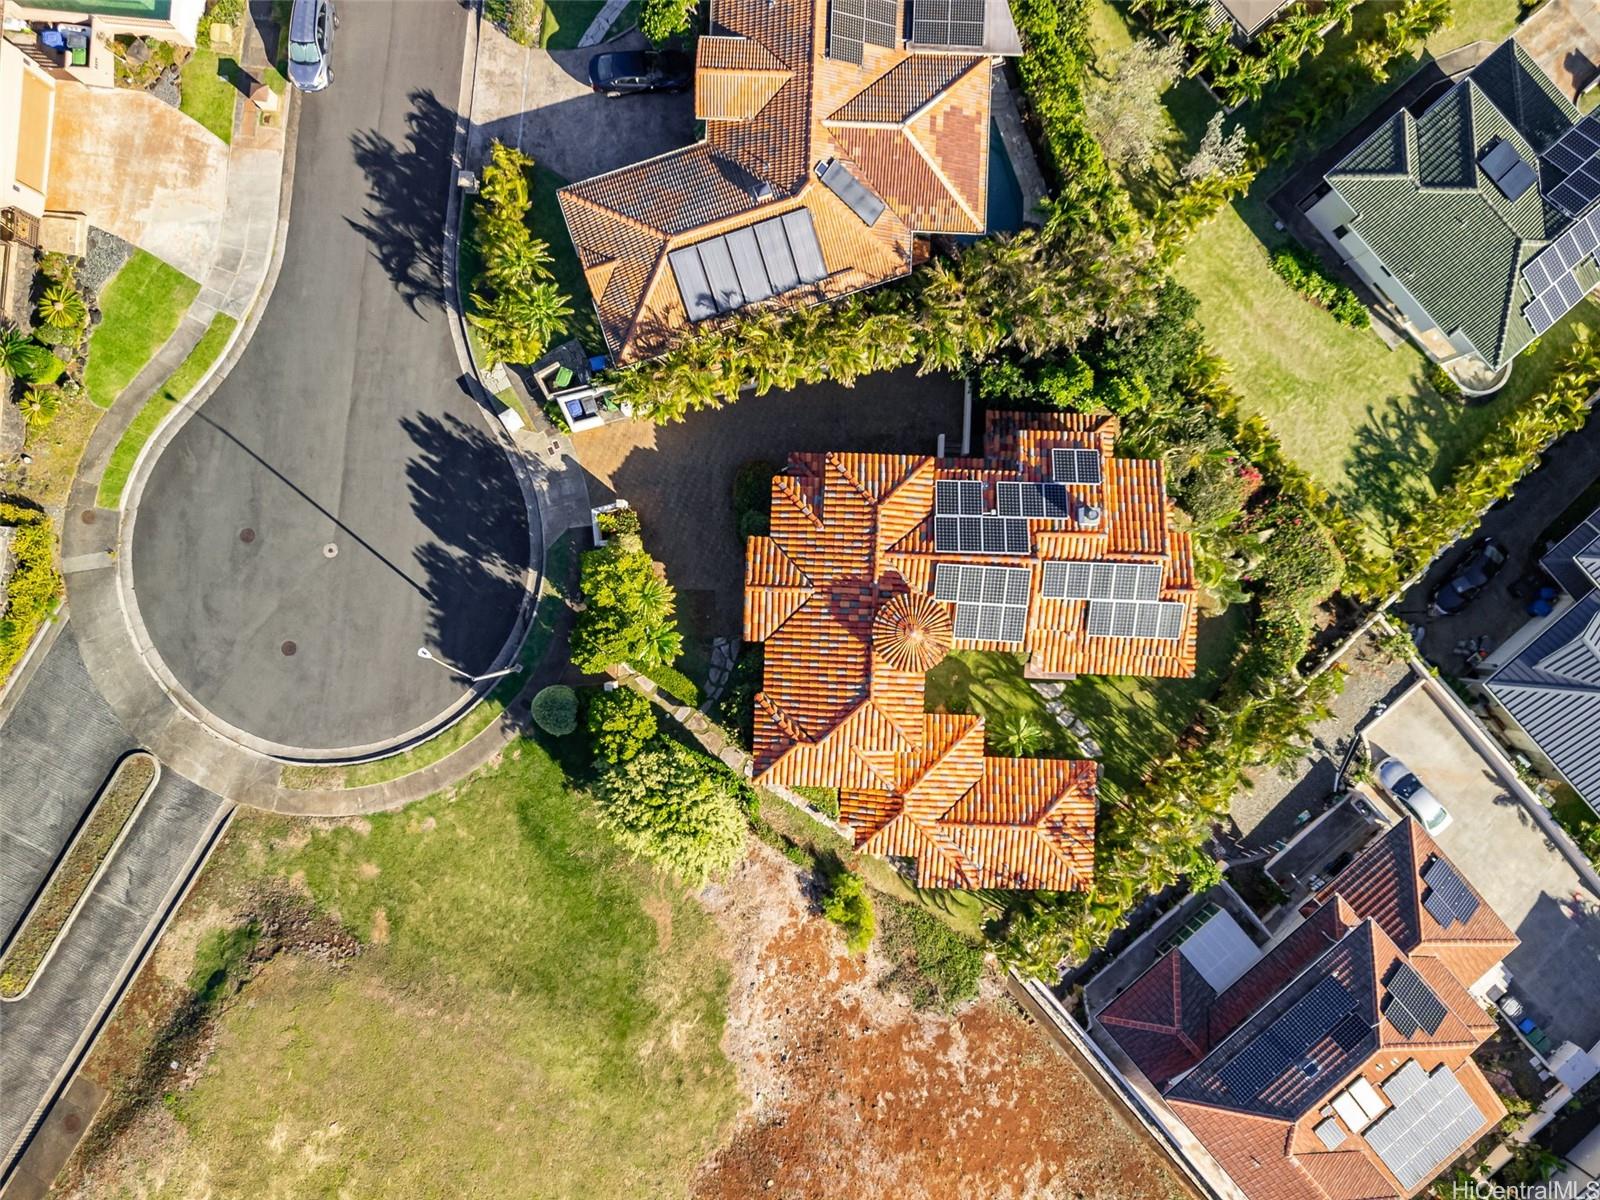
[[73, 875]]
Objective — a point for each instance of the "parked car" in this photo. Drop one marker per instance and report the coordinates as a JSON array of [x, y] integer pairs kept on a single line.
[[311, 26], [1405, 787], [1481, 563], [633, 72]]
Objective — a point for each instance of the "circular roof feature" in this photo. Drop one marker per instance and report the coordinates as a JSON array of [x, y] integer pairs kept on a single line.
[[912, 632]]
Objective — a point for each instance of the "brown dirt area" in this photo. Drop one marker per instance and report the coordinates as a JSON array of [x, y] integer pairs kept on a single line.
[[851, 1092]]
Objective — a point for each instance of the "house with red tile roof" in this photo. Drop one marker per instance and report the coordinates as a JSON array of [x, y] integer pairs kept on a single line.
[[835, 132], [877, 565], [1339, 1064]]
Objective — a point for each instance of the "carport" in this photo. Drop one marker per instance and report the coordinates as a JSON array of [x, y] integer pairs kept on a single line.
[[1509, 853]]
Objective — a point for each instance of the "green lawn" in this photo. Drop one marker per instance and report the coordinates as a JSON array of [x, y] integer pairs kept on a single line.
[[565, 22], [1355, 414], [209, 88], [141, 308], [535, 1013], [182, 382], [1135, 720]]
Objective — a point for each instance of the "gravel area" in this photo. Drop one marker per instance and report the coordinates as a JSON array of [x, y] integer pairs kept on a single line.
[[166, 88], [20, 312], [1267, 811], [107, 253]]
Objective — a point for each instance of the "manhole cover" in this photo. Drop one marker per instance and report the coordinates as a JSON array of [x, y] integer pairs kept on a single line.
[[247, 536], [330, 551], [288, 649], [72, 1122], [88, 516]]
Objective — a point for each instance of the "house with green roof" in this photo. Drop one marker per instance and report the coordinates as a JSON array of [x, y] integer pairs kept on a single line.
[[1445, 216]]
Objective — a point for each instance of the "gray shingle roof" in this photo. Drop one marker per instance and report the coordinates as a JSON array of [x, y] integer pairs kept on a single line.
[[1574, 561], [1437, 221], [1552, 690]]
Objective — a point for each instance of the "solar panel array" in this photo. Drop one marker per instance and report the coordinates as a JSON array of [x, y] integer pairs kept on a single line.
[[1576, 154], [981, 535], [1448, 899], [1350, 1032], [959, 497], [855, 24], [1410, 1003], [1426, 1128], [991, 602], [1549, 274], [947, 22], [1101, 581], [1136, 618], [1506, 170], [1285, 1042], [1075, 466], [1330, 1134], [755, 263], [1047, 501], [841, 181]]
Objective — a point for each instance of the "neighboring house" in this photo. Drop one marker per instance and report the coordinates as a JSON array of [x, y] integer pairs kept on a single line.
[[836, 130], [1338, 1062], [1550, 692], [27, 114], [1476, 221], [1248, 17], [880, 564], [169, 20]]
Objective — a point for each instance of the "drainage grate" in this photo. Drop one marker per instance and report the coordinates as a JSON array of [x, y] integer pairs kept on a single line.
[[247, 536], [87, 517], [330, 551]]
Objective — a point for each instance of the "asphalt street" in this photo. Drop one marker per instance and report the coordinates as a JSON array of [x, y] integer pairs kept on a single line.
[[338, 502]]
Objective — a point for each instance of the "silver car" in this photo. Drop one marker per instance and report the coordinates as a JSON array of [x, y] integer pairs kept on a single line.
[[1405, 787], [311, 26]]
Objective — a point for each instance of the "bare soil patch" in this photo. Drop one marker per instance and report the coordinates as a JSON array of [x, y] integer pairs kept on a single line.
[[851, 1092]]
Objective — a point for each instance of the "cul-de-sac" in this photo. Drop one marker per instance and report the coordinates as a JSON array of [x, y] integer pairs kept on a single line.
[[799, 599]]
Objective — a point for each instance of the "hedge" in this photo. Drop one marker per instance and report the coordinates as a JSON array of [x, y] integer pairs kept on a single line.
[[35, 584]]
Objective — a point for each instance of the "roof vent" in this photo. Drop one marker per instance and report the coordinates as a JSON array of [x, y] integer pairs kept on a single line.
[[761, 191], [1089, 516]]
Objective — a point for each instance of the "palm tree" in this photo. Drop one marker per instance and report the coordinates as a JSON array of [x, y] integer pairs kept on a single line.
[[518, 323], [1020, 735], [660, 644], [39, 406], [17, 353], [517, 261], [62, 307]]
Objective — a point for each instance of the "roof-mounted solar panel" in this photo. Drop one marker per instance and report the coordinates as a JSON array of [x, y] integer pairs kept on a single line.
[[1514, 184], [693, 286], [803, 244], [1075, 465], [839, 180], [1498, 159], [727, 272]]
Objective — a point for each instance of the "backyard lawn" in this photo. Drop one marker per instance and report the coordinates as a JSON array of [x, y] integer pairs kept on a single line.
[[141, 308], [1357, 415], [209, 90], [534, 1013]]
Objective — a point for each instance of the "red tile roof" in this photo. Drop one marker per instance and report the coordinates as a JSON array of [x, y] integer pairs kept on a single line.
[[913, 126], [841, 593]]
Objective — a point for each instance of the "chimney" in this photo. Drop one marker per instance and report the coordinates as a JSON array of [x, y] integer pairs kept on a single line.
[[761, 191]]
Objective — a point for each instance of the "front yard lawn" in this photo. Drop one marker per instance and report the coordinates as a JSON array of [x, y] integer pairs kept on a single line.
[[209, 91], [141, 308]]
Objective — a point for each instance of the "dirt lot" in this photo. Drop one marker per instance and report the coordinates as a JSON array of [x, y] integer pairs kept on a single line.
[[852, 1093]]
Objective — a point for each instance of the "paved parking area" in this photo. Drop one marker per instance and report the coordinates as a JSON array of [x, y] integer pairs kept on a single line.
[[540, 101], [680, 477], [1496, 843]]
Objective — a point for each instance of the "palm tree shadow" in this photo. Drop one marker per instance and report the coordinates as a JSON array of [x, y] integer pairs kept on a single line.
[[407, 188], [1395, 455]]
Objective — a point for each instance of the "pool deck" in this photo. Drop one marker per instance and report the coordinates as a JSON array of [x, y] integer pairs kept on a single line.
[[1019, 149]]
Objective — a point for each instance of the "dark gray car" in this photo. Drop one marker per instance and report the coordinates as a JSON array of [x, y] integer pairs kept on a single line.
[[311, 26]]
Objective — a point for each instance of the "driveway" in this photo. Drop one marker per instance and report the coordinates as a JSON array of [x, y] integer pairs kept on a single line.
[[1493, 839], [1570, 466], [340, 501], [680, 477], [140, 169], [541, 102]]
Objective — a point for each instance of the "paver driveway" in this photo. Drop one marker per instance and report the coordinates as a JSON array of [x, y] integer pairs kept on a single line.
[[339, 501]]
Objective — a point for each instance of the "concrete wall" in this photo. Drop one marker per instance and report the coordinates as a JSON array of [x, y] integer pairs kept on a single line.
[[27, 115]]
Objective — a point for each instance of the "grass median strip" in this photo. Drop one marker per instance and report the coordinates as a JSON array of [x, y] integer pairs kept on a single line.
[[558, 574], [181, 383], [141, 308], [49, 915]]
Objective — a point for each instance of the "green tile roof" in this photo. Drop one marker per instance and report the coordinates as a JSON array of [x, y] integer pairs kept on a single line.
[[1439, 224]]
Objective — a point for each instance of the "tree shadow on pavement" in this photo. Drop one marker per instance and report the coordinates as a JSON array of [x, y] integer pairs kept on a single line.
[[463, 489], [407, 187]]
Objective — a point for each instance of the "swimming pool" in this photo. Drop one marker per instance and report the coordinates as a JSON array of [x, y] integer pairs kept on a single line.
[[1005, 193]]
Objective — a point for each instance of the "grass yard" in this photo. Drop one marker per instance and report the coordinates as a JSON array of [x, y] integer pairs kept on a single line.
[[534, 1010], [182, 382], [1135, 720], [566, 21], [208, 90], [1358, 416], [142, 307]]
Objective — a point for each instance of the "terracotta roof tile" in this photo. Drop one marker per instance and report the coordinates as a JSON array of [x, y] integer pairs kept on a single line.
[[1162, 1019]]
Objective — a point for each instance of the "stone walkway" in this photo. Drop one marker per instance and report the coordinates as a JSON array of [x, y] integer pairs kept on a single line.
[[601, 25]]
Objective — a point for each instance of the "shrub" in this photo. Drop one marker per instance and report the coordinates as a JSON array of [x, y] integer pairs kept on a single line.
[[675, 807], [672, 682], [39, 405], [824, 800], [1212, 489], [522, 20], [752, 498], [1443, 382], [61, 306], [1306, 275], [628, 610], [735, 709], [620, 522], [58, 267], [934, 965], [848, 906], [35, 584], [660, 20], [555, 710], [516, 308], [1299, 558], [621, 723]]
